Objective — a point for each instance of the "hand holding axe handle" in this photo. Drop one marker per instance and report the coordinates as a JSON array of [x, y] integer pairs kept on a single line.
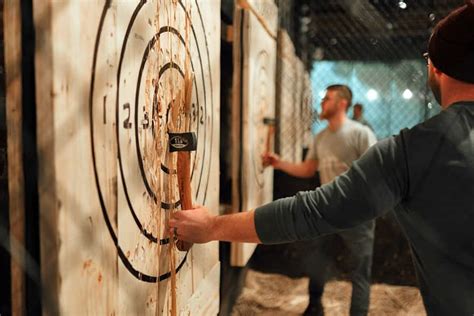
[[184, 143]]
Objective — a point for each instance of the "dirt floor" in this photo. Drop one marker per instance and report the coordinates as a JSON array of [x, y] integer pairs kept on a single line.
[[275, 294]]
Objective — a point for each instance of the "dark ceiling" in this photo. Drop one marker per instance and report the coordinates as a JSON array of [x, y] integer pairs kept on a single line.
[[368, 30], [359, 30]]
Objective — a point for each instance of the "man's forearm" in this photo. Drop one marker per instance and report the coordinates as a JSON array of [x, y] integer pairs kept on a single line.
[[300, 170], [238, 227]]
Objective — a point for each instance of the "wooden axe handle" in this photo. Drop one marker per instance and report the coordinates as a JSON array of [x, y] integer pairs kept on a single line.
[[268, 144], [185, 194], [184, 162]]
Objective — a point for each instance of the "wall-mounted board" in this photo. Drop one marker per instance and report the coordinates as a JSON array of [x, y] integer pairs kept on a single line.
[[255, 49], [110, 79]]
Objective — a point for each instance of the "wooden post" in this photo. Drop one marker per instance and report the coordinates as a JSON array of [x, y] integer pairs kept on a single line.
[[45, 116], [13, 52]]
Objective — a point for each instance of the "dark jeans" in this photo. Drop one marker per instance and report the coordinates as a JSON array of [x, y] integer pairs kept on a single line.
[[359, 241]]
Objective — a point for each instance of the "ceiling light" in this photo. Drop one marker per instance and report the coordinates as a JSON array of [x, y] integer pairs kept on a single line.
[[402, 5], [407, 94], [372, 95]]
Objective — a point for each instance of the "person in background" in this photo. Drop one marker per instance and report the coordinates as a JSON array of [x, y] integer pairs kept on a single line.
[[426, 173], [332, 152], [358, 115]]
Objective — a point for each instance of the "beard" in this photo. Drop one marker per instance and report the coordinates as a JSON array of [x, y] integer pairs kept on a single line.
[[327, 114], [435, 87]]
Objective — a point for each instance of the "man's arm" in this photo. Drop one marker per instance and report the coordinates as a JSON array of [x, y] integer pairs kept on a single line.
[[305, 169], [374, 185], [199, 226]]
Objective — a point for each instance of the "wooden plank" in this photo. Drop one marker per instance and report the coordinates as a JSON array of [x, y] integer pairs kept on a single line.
[[265, 12], [254, 100], [112, 105], [69, 212], [297, 111], [13, 53], [48, 204], [205, 300], [307, 110], [236, 111], [292, 116], [286, 80]]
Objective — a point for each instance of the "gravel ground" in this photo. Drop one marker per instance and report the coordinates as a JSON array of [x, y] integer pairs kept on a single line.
[[275, 294]]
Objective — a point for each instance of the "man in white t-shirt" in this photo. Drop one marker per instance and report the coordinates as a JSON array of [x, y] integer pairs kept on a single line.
[[332, 152]]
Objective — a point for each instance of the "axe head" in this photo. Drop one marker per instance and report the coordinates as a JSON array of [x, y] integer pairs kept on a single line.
[[269, 121], [182, 141]]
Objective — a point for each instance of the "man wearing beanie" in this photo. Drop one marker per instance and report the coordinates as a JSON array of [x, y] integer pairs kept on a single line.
[[425, 173]]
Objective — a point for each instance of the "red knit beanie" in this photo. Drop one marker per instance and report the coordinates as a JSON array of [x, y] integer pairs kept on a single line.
[[451, 46]]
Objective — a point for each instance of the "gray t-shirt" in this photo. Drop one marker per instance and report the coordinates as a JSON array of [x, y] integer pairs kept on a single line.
[[335, 151], [427, 174]]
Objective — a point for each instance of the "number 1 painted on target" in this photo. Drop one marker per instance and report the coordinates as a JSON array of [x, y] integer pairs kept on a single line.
[[104, 109]]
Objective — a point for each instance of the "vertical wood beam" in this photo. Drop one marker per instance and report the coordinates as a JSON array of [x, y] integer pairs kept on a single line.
[[47, 191], [13, 80]]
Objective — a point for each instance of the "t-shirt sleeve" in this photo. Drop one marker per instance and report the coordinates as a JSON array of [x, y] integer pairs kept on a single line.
[[374, 185]]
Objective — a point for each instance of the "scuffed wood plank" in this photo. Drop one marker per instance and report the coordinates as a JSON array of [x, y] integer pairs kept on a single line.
[[307, 110], [49, 237], [298, 118], [254, 100], [99, 203], [205, 299], [286, 83], [13, 54]]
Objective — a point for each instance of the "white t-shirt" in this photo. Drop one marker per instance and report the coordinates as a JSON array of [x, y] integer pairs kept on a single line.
[[335, 151]]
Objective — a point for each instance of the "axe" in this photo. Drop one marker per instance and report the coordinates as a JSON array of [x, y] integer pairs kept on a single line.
[[184, 143]]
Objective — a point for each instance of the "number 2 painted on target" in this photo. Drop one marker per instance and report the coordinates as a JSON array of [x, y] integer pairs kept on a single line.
[[126, 123]]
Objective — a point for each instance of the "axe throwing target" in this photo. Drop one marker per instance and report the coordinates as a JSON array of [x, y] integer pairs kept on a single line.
[[134, 103]]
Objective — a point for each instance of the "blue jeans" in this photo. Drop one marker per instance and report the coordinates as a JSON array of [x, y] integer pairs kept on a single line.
[[359, 241]]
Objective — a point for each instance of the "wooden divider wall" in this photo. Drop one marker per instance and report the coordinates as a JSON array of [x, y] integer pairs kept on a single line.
[[255, 47], [292, 106], [307, 110], [286, 76]]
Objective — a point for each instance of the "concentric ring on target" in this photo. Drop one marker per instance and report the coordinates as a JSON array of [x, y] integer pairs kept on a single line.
[[161, 71], [260, 80], [103, 150]]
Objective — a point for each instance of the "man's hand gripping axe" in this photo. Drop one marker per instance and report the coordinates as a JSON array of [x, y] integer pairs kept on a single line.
[[184, 143]]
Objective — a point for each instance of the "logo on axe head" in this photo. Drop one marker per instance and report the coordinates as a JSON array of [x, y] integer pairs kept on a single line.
[[182, 141]]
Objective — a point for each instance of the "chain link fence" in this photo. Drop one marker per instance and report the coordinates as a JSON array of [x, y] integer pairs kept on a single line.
[[375, 47], [393, 95]]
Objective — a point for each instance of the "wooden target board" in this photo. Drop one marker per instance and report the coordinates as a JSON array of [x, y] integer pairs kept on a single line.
[[253, 100], [298, 121], [113, 91], [293, 109], [285, 106], [307, 110]]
